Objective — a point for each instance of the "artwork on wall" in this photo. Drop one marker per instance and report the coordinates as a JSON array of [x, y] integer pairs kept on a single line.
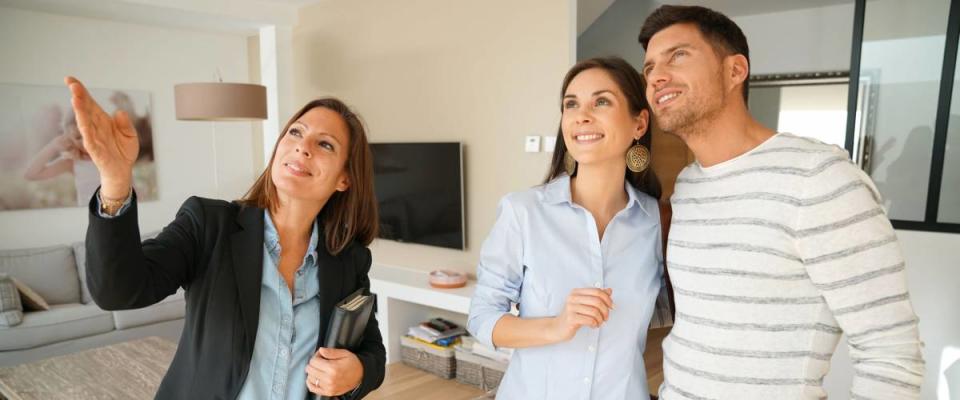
[[42, 161]]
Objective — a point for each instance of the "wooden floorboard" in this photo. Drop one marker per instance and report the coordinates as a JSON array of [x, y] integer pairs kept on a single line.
[[404, 382]]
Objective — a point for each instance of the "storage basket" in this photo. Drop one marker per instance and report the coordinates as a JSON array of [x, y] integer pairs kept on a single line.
[[478, 371], [428, 357]]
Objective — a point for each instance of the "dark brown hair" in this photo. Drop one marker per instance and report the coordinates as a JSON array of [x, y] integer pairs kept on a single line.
[[724, 36], [632, 86], [348, 216]]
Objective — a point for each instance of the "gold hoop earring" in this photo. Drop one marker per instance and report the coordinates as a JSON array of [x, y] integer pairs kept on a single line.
[[569, 164], [638, 157]]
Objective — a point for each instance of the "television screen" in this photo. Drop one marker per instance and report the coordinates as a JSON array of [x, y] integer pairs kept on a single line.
[[419, 188]]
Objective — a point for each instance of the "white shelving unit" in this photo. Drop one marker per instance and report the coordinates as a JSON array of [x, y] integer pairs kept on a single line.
[[405, 298]]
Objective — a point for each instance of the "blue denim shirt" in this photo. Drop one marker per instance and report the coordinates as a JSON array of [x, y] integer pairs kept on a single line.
[[542, 246], [288, 326]]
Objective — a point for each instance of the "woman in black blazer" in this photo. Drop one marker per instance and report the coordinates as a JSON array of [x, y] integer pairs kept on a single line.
[[316, 193]]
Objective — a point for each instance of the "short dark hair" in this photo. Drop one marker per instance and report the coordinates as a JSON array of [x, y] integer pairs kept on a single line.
[[721, 32], [631, 84]]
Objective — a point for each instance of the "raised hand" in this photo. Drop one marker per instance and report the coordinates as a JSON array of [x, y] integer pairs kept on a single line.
[[584, 307], [111, 142]]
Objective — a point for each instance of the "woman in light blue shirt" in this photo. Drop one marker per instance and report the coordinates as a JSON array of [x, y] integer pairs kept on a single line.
[[581, 256]]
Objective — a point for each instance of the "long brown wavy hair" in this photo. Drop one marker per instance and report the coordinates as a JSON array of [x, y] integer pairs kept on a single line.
[[632, 86], [348, 216]]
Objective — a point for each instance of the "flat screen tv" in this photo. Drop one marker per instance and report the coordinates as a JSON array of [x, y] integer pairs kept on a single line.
[[419, 188]]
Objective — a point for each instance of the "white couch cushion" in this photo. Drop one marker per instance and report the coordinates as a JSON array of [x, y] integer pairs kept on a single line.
[[50, 271], [173, 307], [80, 254], [61, 322]]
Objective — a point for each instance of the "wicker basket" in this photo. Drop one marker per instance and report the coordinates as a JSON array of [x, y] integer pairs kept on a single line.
[[433, 359], [478, 371]]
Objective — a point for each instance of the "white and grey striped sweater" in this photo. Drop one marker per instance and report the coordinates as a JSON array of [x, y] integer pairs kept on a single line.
[[773, 255]]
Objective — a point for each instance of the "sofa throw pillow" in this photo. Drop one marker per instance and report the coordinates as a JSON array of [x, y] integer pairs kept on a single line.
[[11, 309], [31, 300], [49, 271]]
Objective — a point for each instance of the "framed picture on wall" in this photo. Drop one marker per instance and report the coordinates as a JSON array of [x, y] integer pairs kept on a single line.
[[42, 161]]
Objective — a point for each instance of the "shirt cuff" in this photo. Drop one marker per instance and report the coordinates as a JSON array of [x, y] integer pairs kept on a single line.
[[123, 208], [484, 333]]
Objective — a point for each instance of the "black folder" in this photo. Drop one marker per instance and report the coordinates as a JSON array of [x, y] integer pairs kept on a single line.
[[348, 322]]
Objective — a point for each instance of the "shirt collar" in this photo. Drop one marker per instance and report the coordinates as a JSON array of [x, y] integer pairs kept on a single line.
[[272, 239], [557, 191]]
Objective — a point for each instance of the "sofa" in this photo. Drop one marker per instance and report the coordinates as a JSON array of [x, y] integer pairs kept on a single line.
[[73, 322]]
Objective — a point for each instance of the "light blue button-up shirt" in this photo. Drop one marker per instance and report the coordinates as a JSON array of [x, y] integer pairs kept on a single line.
[[288, 327], [543, 246]]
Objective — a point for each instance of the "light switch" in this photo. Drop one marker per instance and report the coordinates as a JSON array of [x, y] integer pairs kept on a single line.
[[532, 144], [549, 142]]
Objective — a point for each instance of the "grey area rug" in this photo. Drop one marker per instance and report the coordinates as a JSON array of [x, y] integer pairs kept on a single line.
[[128, 370]]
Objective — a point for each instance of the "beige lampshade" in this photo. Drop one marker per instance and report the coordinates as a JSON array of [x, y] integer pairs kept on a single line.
[[220, 101]]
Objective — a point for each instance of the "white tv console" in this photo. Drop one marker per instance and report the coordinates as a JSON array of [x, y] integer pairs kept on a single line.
[[405, 298]]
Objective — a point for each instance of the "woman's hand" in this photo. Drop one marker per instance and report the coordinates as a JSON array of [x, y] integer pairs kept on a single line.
[[111, 142], [584, 307], [333, 372]]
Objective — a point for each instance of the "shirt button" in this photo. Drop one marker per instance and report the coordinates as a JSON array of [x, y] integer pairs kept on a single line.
[[586, 380], [597, 285], [592, 348]]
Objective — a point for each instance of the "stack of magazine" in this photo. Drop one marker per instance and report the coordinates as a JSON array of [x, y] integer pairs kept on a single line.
[[438, 332]]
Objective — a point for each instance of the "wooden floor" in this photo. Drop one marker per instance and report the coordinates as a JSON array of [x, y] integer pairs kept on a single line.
[[407, 383], [404, 382]]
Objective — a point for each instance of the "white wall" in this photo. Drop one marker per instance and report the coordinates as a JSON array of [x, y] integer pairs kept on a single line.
[[41, 48], [483, 73], [615, 32], [806, 40]]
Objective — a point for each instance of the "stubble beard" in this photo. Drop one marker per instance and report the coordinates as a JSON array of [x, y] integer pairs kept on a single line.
[[694, 118]]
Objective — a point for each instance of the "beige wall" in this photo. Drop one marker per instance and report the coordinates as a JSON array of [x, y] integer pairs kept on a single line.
[[483, 73]]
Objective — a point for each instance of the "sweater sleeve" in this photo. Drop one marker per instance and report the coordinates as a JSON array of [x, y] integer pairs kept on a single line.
[[851, 253]]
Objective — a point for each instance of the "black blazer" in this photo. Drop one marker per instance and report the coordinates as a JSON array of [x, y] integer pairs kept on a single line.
[[214, 250]]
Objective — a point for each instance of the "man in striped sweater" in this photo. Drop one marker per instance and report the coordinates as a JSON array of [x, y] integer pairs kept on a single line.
[[778, 242]]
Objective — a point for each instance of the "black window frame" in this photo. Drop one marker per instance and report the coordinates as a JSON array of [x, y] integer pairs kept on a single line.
[[930, 222]]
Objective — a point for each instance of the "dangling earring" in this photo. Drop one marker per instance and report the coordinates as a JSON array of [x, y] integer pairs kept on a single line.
[[569, 164], [638, 157]]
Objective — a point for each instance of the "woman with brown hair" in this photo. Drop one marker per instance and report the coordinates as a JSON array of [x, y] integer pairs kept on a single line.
[[262, 274], [580, 255]]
